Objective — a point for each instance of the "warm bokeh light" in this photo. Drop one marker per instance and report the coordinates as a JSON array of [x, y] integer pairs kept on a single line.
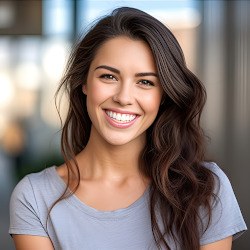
[[28, 76], [7, 90], [54, 58], [186, 18]]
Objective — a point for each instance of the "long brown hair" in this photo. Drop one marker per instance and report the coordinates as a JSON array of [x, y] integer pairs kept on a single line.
[[173, 155]]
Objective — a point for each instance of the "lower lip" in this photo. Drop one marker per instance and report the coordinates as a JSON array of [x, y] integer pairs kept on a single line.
[[116, 124]]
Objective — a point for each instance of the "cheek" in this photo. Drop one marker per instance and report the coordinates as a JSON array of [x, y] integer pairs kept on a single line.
[[151, 103], [97, 94]]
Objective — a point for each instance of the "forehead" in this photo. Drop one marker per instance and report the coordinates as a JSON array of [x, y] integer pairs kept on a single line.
[[123, 51]]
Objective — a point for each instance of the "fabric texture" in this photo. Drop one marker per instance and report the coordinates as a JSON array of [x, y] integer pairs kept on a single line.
[[73, 225]]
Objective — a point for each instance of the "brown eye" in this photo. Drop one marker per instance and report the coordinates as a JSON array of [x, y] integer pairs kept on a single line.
[[146, 83], [108, 77]]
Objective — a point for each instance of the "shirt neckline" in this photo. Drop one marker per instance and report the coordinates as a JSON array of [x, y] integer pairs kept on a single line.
[[78, 204]]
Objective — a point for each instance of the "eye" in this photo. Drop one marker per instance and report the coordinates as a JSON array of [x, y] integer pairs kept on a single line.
[[146, 83], [108, 77]]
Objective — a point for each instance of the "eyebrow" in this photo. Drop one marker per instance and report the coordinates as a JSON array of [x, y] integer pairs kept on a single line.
[[118, 71]]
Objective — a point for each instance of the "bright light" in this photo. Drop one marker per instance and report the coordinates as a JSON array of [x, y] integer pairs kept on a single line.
[[48, 108], [28, 76], [54, 59], [186, 18], [6, 89], [4, 51]]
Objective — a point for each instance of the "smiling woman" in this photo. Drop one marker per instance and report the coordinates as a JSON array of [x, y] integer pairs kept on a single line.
[[123, 92], [134, 175]]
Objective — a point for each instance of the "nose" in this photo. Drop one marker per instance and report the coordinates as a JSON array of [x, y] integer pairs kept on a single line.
[[124, 95]]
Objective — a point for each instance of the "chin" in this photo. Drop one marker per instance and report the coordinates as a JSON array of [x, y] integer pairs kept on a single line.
[[117, 142], [125, 140]]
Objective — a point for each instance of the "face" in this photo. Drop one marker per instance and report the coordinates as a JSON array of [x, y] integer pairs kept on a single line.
[[123, 91]]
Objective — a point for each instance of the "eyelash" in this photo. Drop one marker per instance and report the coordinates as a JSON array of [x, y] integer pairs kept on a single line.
[[147, 83], [144, 82], [108, 77]]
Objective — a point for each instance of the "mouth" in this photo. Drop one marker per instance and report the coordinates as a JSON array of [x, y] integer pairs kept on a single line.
[[120, 117]]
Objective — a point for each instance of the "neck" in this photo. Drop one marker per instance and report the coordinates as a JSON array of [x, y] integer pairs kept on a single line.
[[100, 159]]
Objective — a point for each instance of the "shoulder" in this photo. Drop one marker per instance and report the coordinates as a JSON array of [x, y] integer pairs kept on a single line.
[[41, 185], [29, 203], [223, 190], [222, 185], [221, 179], [31, 200], [226, 218], [212, 166], [34, 179]]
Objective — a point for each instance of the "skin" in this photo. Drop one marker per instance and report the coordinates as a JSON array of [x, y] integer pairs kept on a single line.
[[121, 78]]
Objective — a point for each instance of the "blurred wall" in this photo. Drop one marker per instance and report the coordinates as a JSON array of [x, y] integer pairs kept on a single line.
[[224, 58]]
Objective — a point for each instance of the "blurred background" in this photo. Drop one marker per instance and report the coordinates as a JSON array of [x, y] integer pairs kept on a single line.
[[35, 41]]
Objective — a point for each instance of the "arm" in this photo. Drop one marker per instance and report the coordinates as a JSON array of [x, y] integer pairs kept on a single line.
[[28, 242], [225, 244], [26, 226]]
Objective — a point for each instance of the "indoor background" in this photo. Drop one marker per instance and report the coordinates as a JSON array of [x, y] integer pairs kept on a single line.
[[35, 41]]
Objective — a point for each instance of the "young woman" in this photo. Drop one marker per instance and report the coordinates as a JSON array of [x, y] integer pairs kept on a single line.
[[134, 175]]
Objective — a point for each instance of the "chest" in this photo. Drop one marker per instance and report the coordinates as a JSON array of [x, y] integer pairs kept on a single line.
[[78, 227]]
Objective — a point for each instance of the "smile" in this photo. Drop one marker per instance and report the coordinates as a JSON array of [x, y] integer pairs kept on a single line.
[[119, 117]]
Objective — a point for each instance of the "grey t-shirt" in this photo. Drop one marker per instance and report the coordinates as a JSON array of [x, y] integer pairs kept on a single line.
[[73, 225]]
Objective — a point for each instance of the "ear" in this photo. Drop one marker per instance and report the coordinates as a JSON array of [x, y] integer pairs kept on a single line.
[[84, 88]]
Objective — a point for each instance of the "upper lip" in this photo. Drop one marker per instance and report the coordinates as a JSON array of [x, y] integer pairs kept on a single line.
[[120, 111]]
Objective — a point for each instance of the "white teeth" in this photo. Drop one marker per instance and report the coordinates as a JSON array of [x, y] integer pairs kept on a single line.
[[123, 118], [120, 117]]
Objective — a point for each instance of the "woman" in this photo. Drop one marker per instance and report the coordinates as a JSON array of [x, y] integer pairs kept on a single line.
[[134, 175]]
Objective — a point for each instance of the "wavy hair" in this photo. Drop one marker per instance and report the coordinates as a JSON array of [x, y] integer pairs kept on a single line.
[[173, 155]]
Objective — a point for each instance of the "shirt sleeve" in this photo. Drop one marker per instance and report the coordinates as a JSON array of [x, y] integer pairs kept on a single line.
[[24, 212], [226, 219]]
